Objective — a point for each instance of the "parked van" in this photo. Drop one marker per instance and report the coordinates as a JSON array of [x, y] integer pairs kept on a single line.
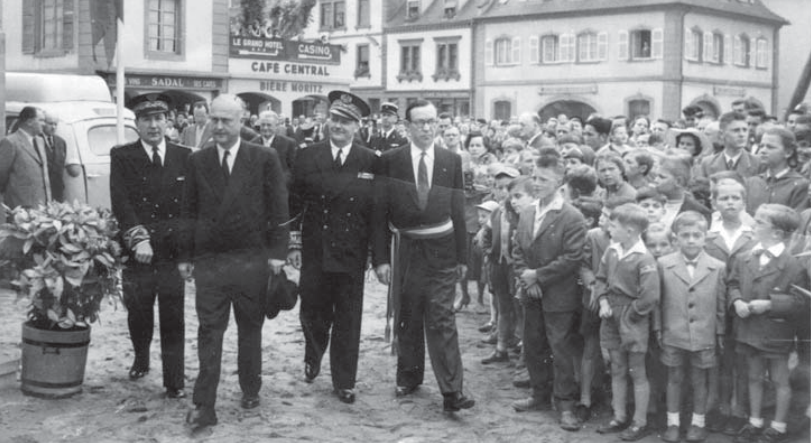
[[87, 122]]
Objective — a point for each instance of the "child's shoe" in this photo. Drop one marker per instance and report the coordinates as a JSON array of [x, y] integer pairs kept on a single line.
[[748, 434], [771, 435], [612, 427], [634, 433], [696, 434]]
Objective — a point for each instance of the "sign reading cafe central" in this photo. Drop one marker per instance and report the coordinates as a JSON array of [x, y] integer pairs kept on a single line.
[[284, 50]]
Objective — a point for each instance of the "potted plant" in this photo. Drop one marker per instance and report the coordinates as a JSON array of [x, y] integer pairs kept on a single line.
[[63, 258]]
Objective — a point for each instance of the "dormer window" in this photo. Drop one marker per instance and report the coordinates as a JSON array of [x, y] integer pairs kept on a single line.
[[413, 9], [450, 9]]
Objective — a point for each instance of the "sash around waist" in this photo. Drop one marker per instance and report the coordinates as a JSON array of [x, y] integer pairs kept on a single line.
[[437, 230]]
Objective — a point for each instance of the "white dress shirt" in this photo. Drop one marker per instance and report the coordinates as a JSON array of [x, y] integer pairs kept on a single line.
[[416, 154], [344, 153], [161, 150]]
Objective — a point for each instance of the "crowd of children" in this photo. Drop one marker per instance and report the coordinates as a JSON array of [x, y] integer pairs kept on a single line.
[[681, 269]]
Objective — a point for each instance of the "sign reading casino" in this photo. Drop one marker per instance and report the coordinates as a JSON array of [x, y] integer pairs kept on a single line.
[[277, 49]]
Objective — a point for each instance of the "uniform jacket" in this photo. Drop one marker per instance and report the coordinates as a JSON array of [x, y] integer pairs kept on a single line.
[[24, 179], [398, 203], [790, 190], [555, 253], [774, 330], [247, 215], [747, 166], [383, 142], [56, 167], [334, 208], [286, 148], [692, 310], [142, 197]]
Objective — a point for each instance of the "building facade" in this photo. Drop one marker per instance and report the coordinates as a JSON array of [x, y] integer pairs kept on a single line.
[[624, 57]]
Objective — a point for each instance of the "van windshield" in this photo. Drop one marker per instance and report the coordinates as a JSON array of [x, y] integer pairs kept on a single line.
[[102, 138]]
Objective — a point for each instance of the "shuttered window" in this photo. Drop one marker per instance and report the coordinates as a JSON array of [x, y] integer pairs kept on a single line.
[[48, 27]]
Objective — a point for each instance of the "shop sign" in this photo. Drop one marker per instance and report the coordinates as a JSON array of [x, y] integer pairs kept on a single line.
[[168, 82], [298, 87], [727, 91], [284, 50], [568, 89], [290, 69]]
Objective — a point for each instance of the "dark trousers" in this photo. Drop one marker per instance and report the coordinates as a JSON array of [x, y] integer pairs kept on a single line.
[[241, 281], [553, 330], [142, 285], [427, 315], [332, 301]]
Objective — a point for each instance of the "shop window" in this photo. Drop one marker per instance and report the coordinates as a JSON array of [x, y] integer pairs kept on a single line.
[[48, 27], [163, 24], [502, 110], [333, 14], [447, 59], [362, 62], [410, 63]]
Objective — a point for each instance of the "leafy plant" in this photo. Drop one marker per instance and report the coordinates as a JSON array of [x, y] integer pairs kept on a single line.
[[64, 259]]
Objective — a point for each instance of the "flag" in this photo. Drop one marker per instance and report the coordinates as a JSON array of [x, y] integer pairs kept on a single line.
[[104, 16]]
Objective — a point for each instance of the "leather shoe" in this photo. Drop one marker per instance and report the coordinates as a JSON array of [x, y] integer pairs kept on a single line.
[[496, 357], [346, 395], [402, 391], [249, 401], [456, 401], [311, 371], [201, 417], [531, 404], [696, 434], [175, 393], [634, 433], [569, 421], [671, 435], [491, 339], [138, 370]]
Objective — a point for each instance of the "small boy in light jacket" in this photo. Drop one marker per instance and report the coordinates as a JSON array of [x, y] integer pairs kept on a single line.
[[690, 321]]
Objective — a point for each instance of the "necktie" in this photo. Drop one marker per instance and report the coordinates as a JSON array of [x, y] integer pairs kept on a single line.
[[338, 163], [225, 171], [730, 165], [422, 183], [156, 158]]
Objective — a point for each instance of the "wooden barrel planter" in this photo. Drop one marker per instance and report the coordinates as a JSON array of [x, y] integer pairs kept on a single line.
[[53, 361]]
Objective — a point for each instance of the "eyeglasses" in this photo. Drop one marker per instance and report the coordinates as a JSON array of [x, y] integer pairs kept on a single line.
[[422, 123]]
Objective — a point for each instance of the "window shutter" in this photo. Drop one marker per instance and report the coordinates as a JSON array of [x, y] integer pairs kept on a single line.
[[516, 49], [727, 53], [533, 49], [737, 51], [622, 49], [689, 44], [602, 46], [29, 27], [67, 25], [657, 43], [709, 49], [488, 52], [569, 47]]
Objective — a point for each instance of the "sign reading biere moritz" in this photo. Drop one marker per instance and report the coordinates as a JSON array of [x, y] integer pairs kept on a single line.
[[284, 50]]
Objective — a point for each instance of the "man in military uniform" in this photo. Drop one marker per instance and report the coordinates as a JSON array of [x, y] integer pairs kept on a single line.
[[333, 194], [146, 184], [387, 137]]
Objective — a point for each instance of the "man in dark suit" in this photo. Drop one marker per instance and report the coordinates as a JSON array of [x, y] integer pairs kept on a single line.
[[194, 136], [24, 177], [548, 249], [387, 137], [146, 187], [55, 149], [235, 210], [421, 196], [269, 137], [333, 191], [735, 156]]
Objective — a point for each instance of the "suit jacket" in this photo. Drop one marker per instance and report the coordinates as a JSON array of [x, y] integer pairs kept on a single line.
[[790, 190], [246, 215], [773, 331], [692, 310], [56, 167], [555, 254], [398, 204], [335, 207], [141, 196], [24, 178], [187, 138], [286, 148], [716, 246], [747, 166]]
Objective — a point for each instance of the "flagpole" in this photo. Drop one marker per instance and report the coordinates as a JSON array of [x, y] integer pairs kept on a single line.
[[120, 82]]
